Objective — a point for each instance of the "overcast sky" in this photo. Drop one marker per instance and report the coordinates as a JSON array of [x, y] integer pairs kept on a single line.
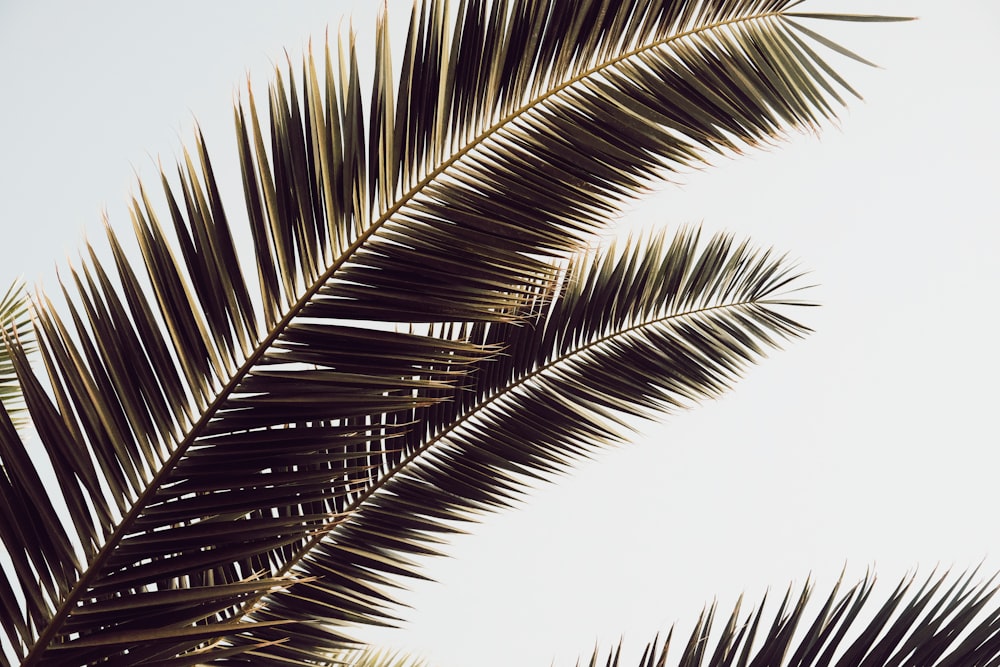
[[871, 443]]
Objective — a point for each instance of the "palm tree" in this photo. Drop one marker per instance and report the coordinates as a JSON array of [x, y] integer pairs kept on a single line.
[[243, 473]]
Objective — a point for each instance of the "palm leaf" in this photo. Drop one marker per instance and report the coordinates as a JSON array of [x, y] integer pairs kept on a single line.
[[204, 435], [655, 326], [940, 624], [15, 324], [376, 658]]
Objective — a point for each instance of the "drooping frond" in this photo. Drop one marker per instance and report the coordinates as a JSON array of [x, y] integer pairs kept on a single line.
[[208, 424], [940, 624]]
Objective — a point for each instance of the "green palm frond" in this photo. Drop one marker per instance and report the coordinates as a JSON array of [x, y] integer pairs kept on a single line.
[[219, 435], [941, 624], [15, 328]]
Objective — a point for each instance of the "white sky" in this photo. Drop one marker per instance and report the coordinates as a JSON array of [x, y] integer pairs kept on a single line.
[[871, 443]]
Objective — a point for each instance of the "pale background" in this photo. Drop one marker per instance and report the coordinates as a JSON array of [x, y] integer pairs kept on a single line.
[[872, 443]]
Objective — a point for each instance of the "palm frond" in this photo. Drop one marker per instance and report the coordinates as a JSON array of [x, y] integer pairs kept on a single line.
[[376, 658], [939, 624], [205, 434], [657, 325], [15, 325]]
